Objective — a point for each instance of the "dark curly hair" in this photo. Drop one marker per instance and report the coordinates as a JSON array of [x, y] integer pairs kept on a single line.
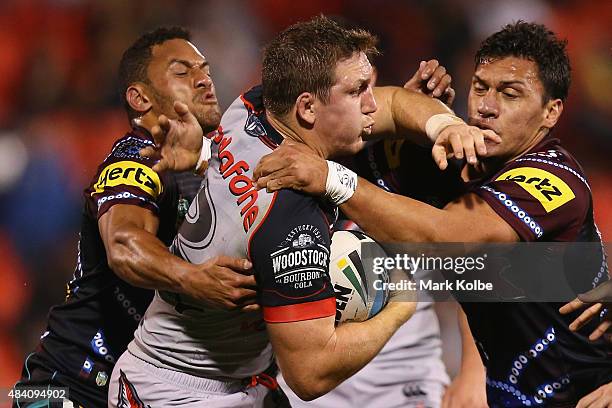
[[303, 58], [536, 43], [135, 60]]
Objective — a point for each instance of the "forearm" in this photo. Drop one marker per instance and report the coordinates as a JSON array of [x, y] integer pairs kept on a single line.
[[468, 388], [404, 113], [388, 217], [356, 344], [349, 348], [141, 259], [470, 358]]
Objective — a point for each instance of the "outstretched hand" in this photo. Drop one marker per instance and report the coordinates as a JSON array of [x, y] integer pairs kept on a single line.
[[461, 141], [431, 79], [178, 142]]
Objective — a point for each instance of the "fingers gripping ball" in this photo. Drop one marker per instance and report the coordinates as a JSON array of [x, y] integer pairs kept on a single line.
[[360, 293]]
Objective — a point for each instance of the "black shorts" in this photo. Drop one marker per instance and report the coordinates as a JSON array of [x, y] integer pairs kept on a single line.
[[36, 373]]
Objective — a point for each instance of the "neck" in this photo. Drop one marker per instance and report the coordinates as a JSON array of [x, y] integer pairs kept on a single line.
[[540, 135], [146, 121], [296, 134]]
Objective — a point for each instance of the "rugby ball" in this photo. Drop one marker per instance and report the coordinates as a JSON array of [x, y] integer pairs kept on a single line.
[[358, 295]]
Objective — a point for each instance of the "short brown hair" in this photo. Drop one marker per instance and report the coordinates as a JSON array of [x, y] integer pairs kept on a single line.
[[303, 58], [536, 43]]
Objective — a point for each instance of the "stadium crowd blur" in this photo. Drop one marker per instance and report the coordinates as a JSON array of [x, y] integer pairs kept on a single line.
[[60, 111]]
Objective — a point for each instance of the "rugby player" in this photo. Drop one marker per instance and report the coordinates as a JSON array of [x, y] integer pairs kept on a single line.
[[317, 94], [129, 218], [521, 79], [408, 371]]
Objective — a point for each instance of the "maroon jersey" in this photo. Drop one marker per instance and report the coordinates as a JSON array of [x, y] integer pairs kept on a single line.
[[532, 357]]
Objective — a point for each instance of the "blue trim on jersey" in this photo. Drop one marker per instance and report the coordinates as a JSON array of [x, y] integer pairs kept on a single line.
[[539, 347], [129, 148], [547, 390], [517, 211], [561, 166], [604, 273], [543, 391]]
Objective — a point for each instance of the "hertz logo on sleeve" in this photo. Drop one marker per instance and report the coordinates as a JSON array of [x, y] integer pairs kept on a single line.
[[132, 174], [548, 189]]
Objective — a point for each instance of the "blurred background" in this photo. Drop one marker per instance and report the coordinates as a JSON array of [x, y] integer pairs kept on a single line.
[[60, 111]]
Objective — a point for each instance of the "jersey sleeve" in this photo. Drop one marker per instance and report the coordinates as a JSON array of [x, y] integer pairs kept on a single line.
[[126, 178], [540, 199], [290, 254]]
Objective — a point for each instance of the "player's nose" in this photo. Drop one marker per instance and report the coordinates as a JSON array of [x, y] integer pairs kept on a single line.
[[368, 102], [203, 80], [488, 106]]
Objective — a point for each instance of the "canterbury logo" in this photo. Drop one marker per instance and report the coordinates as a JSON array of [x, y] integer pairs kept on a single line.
[[132, 174], [414, 391], [548, 189]]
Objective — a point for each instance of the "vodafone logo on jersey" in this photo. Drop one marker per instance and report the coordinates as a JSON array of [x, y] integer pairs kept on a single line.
[[240, 185]]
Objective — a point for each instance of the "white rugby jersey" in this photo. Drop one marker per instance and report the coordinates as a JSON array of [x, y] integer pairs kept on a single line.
[[286, 235]]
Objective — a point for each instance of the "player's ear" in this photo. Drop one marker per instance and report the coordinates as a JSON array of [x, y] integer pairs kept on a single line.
[[305, 107], [553, 110], [136, 96]]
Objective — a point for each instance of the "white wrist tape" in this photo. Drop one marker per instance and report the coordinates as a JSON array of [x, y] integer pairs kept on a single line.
[[341, 183], [205, 154], [437, 123]]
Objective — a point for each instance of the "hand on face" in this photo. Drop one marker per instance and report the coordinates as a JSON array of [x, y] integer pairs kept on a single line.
[[506, 97], [178, 142], [459, 140]]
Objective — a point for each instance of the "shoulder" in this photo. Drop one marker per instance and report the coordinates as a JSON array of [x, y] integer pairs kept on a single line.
[[541, 193], [552, 177], [128, 147], [290, 253], [124, 177], [292, 215]]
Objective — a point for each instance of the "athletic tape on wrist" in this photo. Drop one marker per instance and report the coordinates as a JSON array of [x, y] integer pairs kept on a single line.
[[341, 183], [437, 123], [205, 154]]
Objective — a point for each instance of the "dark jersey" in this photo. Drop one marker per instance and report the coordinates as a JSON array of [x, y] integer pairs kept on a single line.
[[89, 331], [531, 356], [405, 168]]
